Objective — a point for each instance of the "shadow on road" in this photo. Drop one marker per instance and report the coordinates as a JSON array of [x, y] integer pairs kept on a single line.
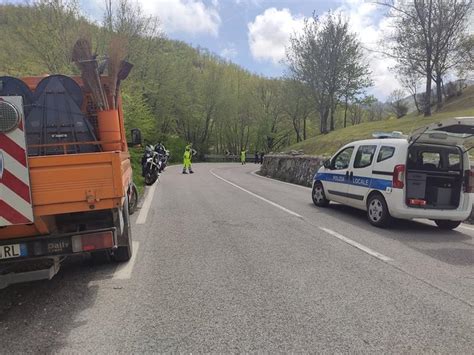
[[422, 237], [40, 315]]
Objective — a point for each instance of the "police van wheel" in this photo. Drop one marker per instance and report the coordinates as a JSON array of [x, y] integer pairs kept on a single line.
[[377, 211], [319, 197], [447, 225]]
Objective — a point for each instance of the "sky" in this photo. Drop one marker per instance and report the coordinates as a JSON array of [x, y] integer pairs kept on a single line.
[[254, 33]]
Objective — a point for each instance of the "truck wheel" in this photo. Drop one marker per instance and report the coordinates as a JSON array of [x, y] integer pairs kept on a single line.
[[319, 197], [447, 225], [132, 199], [377, 211], [124, 252]]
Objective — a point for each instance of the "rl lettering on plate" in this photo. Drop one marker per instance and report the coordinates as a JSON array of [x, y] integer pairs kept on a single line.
[[10, 251]]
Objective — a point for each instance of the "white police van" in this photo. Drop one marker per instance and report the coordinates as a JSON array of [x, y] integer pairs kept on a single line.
[[425, 175]]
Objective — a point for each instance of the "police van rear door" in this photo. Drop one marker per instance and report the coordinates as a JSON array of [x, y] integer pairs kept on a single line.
[[457, 131]]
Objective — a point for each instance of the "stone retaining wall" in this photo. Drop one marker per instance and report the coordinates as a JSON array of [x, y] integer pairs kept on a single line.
[[295, 169]]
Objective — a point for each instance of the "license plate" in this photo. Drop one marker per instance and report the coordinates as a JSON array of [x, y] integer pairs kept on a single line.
[[12, 251]]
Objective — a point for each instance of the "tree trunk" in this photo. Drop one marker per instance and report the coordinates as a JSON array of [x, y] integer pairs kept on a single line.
[[429, 57], [427, 108], [331, 121], [323, 116], [331, 117], [304, 128], [417, 105], [439, 92], [345, 112], [297, 128]]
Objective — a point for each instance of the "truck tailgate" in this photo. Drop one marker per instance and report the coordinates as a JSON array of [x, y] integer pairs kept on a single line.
[[78, 182]]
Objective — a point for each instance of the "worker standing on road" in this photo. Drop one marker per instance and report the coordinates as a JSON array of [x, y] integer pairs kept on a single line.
[[243, 156], [188, 153]]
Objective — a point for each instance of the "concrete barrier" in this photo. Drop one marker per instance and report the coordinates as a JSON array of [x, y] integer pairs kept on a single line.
[[295, 169]]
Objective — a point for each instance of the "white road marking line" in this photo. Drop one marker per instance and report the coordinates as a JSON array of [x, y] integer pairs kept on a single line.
[[146, 205], [124, 271], [258, 196], [254, 173], [466, 227], [356, 245]]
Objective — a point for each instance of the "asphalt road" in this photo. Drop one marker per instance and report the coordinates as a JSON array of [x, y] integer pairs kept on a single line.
[[227, 261]]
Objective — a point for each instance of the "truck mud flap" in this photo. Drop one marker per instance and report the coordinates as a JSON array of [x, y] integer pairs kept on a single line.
[[32, 272]]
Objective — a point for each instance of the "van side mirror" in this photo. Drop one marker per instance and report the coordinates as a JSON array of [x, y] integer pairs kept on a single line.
[[136, 137], [327, 164]]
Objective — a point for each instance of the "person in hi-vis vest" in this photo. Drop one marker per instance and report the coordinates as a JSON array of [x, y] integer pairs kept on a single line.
[[188, 154], [243, 156]]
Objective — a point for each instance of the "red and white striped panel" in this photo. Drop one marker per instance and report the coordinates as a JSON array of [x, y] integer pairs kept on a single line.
[[15, 195]]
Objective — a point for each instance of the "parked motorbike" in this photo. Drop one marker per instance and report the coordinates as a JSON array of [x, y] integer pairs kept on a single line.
[[151, 165], [164, 159], [163, 155]]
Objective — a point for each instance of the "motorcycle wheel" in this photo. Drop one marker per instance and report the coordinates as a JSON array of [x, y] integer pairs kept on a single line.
[[150, 178]]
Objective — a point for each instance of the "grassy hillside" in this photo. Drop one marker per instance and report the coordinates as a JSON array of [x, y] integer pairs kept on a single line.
[[327, 144]]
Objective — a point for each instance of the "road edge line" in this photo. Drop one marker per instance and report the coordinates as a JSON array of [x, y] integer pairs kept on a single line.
[[274, 204], [146, 205], [357, 245], [124, 271]]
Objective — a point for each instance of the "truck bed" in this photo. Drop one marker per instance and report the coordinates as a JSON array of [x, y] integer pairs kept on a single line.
[[73, 183]]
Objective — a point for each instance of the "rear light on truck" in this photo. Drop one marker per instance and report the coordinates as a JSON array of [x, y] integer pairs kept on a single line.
[[92, 241], [469, 181], [398, 177]]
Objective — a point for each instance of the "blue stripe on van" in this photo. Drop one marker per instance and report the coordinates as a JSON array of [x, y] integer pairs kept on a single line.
[[372, 183]]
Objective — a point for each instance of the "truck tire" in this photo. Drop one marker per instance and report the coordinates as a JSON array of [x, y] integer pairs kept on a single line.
[[377, 211], [124, 252], [447, 225], [132, 199]]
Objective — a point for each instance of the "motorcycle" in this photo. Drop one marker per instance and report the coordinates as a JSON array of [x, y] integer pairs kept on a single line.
[[163, 155], [164, 159], [151, 165]]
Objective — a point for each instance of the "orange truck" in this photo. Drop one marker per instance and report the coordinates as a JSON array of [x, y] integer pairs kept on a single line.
[[65, 177]]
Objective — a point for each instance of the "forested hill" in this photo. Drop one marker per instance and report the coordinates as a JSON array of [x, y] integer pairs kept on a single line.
[[175, 93]]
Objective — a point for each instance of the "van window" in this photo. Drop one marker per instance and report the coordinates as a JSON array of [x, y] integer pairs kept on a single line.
[[430, 160], [454, 161], [385, 153], [342, 160], [364, 156]]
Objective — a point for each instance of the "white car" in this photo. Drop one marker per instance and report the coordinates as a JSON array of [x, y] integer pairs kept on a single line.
[[426, 175]]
